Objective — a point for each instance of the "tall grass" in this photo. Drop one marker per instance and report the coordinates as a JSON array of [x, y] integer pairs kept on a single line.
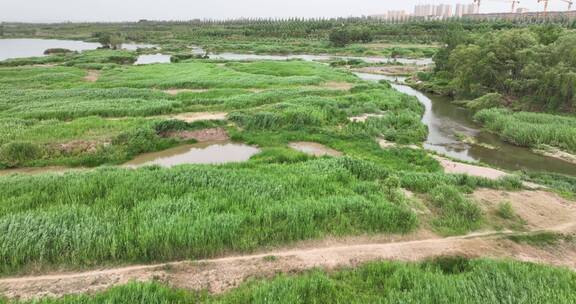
[[118, 215], [457, 280], [531, 129]]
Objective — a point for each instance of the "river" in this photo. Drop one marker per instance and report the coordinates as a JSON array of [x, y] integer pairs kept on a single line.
[[445, 120]]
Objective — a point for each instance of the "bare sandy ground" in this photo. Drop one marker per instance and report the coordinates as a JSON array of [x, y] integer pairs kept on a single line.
[[363, 117], [92, 76], [178, 91], [204, 135], [199, 116], [473, 170], [540, 210], [314, 149]]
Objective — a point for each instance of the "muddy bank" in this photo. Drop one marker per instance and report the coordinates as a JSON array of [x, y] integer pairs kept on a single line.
[[453, 167], [314, 149], [556, 154], [205, 135], [393, 70]]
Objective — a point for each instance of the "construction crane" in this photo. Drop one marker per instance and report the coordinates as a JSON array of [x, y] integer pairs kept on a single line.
[[514, 3], [570, 2]]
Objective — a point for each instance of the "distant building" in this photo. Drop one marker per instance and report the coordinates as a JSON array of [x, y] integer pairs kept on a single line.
[[459, 10], [471, 9], [397, 15], [522, 10]]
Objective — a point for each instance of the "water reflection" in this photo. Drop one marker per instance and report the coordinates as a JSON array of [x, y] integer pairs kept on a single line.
[[205, 153], [445, 120]]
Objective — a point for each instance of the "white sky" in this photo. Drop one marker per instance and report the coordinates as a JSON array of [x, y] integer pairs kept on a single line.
[[131, 10]]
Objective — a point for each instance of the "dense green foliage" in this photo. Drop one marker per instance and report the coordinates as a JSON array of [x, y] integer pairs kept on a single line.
[[531, 129], [120, 215], [457, 279], [534, 65]]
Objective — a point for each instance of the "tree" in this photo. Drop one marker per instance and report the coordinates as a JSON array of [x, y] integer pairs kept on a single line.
[[339, 37], [109, 40]]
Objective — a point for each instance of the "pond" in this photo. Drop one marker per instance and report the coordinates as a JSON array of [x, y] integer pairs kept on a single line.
[[152, 58], [204, 153], [21, 48]]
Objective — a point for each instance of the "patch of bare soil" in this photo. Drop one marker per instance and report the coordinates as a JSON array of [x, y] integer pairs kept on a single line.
[[80, 146], [44, 65], [557, 153], [539, 209], [199, 116], [364, 117], [453, 167], [92, 76], [314, 149], [384, 144], [204, 135], [393, 70], [178, 91], [337, 85]]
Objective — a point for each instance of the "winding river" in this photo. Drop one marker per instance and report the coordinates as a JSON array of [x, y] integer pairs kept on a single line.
[[445, 120]]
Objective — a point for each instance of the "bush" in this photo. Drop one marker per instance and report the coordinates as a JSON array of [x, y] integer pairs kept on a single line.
[[17, 153], [457, 214], [491, 100], [506, 211], [57, 51]]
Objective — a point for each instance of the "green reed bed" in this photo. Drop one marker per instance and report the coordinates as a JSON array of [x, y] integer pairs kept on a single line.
[[88, 141], [151, 214], [453, 279], [203, 75], [531, 129]]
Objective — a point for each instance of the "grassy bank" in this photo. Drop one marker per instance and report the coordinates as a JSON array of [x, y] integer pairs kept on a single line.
[[531, 129], [456, 279]]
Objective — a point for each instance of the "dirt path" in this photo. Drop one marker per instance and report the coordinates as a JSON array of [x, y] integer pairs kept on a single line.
[[540, 210], [220, 275]]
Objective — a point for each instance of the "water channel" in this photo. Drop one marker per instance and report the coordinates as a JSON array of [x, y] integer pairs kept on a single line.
[[445, 120]]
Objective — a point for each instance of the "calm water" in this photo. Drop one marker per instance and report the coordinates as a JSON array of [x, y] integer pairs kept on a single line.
[[153, 58], [21, 48], [235, 56], [204, 153], [445, 119]]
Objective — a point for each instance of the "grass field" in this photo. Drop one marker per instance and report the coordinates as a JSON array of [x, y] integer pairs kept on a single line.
[[109, 216], [455, 279]]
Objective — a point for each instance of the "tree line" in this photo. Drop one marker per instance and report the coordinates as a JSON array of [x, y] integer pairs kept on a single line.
[[533, 66]]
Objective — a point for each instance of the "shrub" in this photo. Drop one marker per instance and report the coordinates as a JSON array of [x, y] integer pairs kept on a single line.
[[456, 213], [18, 153], [506, 211]]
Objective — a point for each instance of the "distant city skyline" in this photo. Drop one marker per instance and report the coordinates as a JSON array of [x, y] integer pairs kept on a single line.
[[133, 10]]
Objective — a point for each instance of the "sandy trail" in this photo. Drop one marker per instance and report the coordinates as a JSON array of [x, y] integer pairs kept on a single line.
[[541, 210], [220, 275]]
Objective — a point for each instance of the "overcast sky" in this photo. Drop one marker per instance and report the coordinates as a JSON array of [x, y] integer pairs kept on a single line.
[[129, 10]]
